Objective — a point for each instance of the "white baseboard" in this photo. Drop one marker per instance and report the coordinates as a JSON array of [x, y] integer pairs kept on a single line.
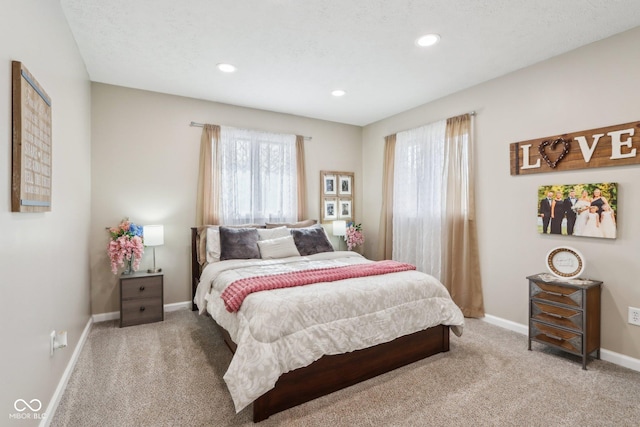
[[506, 324], [62, 385], [620, 359], [103, 317], [177, 306], [607, 355]]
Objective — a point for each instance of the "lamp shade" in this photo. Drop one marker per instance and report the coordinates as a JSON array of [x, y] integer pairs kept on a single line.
[[153, 235], [339, 228]]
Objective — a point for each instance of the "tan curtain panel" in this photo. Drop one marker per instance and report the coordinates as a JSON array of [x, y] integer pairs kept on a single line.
[[208, 197], [461, 270], [302, 187], [385, 236]]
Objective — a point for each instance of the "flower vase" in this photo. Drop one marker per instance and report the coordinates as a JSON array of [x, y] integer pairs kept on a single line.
[[128, 266]]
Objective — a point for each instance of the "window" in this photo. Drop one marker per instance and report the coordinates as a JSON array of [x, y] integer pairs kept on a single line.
[[419, 197], [258, 177]]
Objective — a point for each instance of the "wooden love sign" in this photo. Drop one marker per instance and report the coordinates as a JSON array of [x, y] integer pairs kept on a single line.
[[609, 146]]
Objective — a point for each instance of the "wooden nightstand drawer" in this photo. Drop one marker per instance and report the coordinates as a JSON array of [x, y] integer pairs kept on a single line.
[[566, 340], [141, 298], [143, 287], [557, 315], [138, 311]]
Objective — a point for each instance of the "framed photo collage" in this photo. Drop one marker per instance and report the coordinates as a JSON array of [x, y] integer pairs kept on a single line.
[[336, 196]]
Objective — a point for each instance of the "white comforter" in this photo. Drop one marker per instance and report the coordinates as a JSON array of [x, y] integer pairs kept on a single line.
[[280, 330]]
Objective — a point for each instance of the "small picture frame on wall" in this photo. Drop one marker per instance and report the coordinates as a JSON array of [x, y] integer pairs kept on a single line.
[[329, 184], [344, 185], [344, 209], [330, 210], [336, 195]]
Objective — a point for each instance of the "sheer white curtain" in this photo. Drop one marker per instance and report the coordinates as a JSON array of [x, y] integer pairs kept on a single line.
[[434, 224], [418, 197], [258, 177]]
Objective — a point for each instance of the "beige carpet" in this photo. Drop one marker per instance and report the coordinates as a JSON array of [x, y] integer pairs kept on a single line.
[[170, 374]]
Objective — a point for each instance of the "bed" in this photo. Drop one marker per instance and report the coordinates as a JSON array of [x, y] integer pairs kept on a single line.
[[315, 339]]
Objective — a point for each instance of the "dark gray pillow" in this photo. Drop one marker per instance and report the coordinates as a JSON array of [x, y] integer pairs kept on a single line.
[[311, 240], [238, 243]]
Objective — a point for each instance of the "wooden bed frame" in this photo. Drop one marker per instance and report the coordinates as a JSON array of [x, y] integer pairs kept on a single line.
[[332, 373]]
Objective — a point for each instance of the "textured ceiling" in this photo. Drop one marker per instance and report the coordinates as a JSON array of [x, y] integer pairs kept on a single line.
[[291, 54]]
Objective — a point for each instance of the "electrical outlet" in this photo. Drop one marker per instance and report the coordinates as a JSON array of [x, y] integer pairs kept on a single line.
[[634, 316]]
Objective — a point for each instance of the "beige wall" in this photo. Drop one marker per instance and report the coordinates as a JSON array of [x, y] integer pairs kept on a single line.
[[597, 85], [44, 273], [145, 165], [142, 159]]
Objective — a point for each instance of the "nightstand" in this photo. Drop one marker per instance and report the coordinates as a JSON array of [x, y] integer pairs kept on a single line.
[[565, 314], [141, 298]]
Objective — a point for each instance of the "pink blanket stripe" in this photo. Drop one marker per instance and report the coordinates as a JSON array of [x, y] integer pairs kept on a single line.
[[236, 292]]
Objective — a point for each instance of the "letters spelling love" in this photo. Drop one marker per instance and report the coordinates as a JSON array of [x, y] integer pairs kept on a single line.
[[610, 146]]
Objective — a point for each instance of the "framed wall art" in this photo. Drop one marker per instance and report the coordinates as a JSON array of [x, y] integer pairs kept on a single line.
[[594, 148], [31, 168], [336, 195], [585, 210]]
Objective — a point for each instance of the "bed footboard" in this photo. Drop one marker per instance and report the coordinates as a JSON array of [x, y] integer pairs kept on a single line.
[[332, 373]]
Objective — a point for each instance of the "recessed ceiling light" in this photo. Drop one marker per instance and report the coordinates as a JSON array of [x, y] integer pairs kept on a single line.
[[338, 92], [428, 40], [226, 68]]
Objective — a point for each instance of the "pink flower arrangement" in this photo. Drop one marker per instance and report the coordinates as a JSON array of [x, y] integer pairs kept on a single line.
[[354, 236], [125, 245]]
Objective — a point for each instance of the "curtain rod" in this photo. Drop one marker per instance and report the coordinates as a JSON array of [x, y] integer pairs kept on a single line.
[[471, 113], [199, 125]]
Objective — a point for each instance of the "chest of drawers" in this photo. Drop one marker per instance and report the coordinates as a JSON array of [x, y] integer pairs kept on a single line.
[[141, 299], [565, 315]]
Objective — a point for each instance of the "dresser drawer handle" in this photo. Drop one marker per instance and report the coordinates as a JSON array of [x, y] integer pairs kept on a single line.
[[553, 337], [141, 288], [558, 294], [557, 316], [142, 308]]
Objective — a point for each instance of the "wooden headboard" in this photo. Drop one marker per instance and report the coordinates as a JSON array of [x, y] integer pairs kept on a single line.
[[195, 266]]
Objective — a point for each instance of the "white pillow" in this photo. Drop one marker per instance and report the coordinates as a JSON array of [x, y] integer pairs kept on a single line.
[[273, 233], [280, 247], [213, 244]]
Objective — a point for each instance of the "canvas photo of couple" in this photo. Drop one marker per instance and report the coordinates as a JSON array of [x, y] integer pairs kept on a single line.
[[587, 210]]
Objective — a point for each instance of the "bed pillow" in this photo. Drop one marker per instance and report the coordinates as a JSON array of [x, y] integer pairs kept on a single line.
[[311, 240], [281, 247], [201, 244], [213, 244], [209, 247], [299, 224], [238, 243], [273, 233]]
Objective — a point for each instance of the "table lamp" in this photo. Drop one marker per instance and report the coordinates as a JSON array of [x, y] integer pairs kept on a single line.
[[339, 229], [153, 235]]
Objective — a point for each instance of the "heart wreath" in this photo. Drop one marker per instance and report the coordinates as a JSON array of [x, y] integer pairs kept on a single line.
[[552, 146]]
